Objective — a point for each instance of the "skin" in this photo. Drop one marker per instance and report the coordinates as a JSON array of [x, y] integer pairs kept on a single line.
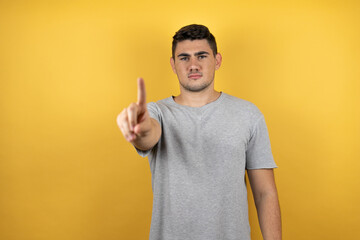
[[195, 65], [266, 201], [135, 122]]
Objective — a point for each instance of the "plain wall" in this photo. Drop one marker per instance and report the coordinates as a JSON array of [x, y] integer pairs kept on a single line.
[[67, 68]]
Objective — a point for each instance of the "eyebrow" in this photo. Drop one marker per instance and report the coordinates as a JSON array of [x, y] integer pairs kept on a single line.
[[201, 53], [196, 54]]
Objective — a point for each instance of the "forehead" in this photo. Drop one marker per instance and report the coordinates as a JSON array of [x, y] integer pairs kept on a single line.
[[192, 46]]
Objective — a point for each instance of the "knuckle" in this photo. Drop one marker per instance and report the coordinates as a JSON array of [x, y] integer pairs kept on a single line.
[[132, 106], [122, 115], [132, 120], [126, 134]]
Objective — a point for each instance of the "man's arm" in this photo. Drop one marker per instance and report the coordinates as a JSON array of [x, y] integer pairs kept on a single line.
[[135, 122], [266, 200]]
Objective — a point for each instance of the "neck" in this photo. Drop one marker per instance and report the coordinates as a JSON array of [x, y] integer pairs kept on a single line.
[[197, 99]]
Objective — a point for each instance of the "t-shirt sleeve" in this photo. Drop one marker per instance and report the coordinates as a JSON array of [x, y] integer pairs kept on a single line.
[[258, 152], [154, 112]]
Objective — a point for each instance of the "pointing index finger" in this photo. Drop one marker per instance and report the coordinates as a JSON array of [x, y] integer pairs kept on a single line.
[[141, 93]]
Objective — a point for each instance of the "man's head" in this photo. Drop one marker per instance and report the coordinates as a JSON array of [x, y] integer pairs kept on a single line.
[[195, 58], [194, 32]]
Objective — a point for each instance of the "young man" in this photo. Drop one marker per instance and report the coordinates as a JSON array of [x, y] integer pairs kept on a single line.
[[199, 145]]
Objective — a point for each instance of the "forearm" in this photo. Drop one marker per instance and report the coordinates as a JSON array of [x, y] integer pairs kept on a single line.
[[269, 216], [150, 138]]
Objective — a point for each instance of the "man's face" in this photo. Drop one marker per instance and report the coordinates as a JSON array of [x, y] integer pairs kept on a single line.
[[195, 65]]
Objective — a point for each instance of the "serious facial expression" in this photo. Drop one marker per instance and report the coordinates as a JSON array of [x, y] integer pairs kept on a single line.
[[194, 63]]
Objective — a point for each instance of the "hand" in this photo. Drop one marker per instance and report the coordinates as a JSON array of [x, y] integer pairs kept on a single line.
[[134, 121]]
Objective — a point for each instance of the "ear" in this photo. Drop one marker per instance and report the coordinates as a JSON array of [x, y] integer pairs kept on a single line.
[[172, 63], [218, 60]]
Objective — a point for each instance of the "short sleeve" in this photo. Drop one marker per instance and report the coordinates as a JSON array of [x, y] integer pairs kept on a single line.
[[258, 152], [154, 112]]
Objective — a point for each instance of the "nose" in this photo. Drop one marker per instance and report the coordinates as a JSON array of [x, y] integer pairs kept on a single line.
[[194, 65]]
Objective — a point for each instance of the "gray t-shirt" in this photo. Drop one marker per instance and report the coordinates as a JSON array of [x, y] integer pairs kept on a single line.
[[198, 168]]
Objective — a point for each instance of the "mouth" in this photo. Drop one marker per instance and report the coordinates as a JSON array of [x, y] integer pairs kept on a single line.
[[194, 76]]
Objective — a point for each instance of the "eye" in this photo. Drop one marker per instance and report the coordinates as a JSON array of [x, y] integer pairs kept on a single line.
[[184, 58], [202, 56]]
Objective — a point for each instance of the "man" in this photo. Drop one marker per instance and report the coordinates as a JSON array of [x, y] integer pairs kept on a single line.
[[199, 145]]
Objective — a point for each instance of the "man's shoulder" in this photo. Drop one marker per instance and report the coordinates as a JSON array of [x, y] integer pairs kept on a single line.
[[239, 104], [161, 102], [238, 100], [159, 105]]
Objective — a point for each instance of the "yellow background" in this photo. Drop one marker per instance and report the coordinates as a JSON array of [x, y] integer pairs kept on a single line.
[[68, 68]]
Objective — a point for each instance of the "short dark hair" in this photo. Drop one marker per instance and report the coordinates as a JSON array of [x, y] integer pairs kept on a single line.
[[194, 32]]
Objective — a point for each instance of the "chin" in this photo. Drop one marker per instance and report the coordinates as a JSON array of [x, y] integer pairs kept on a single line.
[[196, 88]]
